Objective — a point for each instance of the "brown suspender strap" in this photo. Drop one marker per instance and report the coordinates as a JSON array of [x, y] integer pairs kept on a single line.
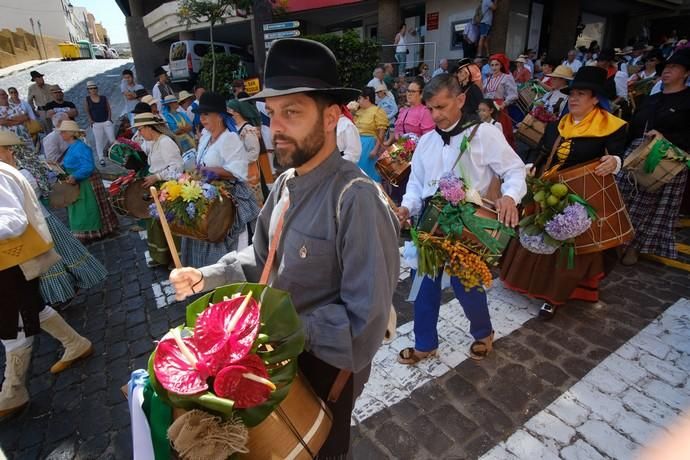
[[270, 260], [339, 385]]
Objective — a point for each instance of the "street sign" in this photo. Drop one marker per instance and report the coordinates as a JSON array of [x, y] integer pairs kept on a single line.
[[281, 26], [282, 34]]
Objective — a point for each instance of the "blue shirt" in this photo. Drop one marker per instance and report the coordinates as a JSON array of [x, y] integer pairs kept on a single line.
[[78, 160]]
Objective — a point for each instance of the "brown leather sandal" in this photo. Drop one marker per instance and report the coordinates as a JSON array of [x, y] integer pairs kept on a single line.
[[409, 356], [480, 349]]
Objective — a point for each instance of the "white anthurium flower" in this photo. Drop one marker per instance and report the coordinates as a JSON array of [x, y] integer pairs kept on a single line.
[[473, 196]]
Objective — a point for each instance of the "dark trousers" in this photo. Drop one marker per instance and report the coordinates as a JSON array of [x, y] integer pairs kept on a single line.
[[321, 376]]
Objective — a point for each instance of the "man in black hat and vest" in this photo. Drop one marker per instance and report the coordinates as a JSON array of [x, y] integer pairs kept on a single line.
[[337, 239], [162, 87]]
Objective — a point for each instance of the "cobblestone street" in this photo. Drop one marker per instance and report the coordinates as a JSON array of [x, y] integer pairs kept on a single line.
[[598, 381]]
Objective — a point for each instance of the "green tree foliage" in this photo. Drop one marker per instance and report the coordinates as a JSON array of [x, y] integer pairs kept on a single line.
[[228, 68], [356, 57]]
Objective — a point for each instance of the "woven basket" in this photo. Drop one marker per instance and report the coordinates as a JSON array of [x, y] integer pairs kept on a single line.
[[213, 227], [530, 130], [664, 173]]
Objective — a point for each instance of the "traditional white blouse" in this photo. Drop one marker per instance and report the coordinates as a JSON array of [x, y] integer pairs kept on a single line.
[[226, 152]]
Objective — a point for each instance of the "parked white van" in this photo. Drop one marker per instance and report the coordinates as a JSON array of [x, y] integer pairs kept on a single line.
[[185, 58]]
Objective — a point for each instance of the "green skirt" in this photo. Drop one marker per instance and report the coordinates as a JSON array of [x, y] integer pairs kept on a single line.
[[158, 247]]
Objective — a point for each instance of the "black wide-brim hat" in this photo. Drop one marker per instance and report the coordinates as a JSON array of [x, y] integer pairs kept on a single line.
[[298, 65], [210, 102], [680, 57], [34, 75], [588, 77]]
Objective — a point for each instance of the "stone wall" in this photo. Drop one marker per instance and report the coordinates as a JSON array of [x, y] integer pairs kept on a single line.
[[19, 46]]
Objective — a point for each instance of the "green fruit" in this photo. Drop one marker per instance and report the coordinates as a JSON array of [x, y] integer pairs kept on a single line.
[[552, 200], [560, 190], [539, 196]]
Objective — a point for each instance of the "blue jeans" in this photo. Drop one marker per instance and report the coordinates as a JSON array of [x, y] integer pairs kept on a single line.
[[428, 303], [401, 59]]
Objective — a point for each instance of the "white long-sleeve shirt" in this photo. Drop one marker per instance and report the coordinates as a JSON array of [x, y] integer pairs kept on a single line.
[[488, 155], [347, 139], [164, 157], [13, 219]]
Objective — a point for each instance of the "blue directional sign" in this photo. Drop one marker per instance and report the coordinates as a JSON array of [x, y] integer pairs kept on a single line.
[[281, 34], [281, 26]]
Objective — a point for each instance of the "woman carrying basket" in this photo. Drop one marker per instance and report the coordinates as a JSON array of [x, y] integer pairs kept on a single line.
[[221, 155], [165, 163], [91, 217], [667, 115], [586, 133]]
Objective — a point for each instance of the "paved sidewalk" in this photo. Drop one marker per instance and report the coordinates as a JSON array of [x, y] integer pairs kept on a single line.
[[621, 405], [26, 65]]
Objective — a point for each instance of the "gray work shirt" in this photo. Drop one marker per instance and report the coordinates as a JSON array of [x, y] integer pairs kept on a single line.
[[341, 271]]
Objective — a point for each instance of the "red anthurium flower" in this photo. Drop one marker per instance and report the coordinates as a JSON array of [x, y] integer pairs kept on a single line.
[[179, 366], [225, 332], [245, 382]]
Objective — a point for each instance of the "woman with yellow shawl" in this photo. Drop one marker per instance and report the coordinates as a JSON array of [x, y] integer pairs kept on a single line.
[[586, 133]]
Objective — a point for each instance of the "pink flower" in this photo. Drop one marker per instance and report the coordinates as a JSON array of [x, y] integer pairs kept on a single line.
[[245, 382], [179, 366], [225, 332]]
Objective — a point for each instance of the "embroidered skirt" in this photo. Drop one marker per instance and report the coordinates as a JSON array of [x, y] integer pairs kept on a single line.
[[77, 268], [653, 214]]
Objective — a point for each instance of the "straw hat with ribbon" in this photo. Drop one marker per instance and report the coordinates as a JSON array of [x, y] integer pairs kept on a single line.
[[563, 72], [184, 95], [146, 119], [169, 99], [9, 138], [70, 126]]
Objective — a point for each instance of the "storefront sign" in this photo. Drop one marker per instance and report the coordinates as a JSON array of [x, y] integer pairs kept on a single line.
[[252, 86], [432, 21]]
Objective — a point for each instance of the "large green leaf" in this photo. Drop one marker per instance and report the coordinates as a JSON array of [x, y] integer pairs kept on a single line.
[[280, 328]]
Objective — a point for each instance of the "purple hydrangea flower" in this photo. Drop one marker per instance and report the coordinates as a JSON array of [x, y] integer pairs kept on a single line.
[[571, 223], [191, 210], [153, 210], [452, 188], [536, 244]]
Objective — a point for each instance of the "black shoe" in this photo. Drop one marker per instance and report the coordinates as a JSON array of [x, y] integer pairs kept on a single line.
[[153, 264], [547, 311]]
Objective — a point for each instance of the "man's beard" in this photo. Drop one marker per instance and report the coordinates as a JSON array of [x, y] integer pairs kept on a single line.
[[299, 153]]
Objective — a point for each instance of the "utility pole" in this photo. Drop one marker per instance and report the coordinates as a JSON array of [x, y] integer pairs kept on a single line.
[[33, 30], [40, 31], [262, 13]]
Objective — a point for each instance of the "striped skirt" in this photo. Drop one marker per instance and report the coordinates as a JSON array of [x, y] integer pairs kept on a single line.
[[653, 214], [77, 269], [109, 221]]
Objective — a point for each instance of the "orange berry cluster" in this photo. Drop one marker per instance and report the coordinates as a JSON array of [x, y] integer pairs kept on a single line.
[[467, 266]]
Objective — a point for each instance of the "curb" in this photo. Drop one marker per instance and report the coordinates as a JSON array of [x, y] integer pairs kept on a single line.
[[23, 69]]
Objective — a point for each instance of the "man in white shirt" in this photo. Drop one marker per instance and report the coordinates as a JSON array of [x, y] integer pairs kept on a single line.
[[348, 140], [442, 68], [488, 156], [54, 146], [378, 78], [572, 62]]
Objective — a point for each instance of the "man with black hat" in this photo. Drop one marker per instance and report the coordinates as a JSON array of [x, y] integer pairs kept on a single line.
[[616, 87], [38, 96], [162, 87], [325, 234]]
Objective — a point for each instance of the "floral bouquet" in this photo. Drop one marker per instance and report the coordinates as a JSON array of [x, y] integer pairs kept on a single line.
[[458, 233], [394, 162], [540, 112], [232, 364], [197, 206], [559, 218]]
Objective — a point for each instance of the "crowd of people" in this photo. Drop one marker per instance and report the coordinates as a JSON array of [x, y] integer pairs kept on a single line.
[[338, 251]]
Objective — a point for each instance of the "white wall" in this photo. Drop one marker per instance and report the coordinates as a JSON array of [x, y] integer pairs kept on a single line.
[[15, 14], [448, 11]]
